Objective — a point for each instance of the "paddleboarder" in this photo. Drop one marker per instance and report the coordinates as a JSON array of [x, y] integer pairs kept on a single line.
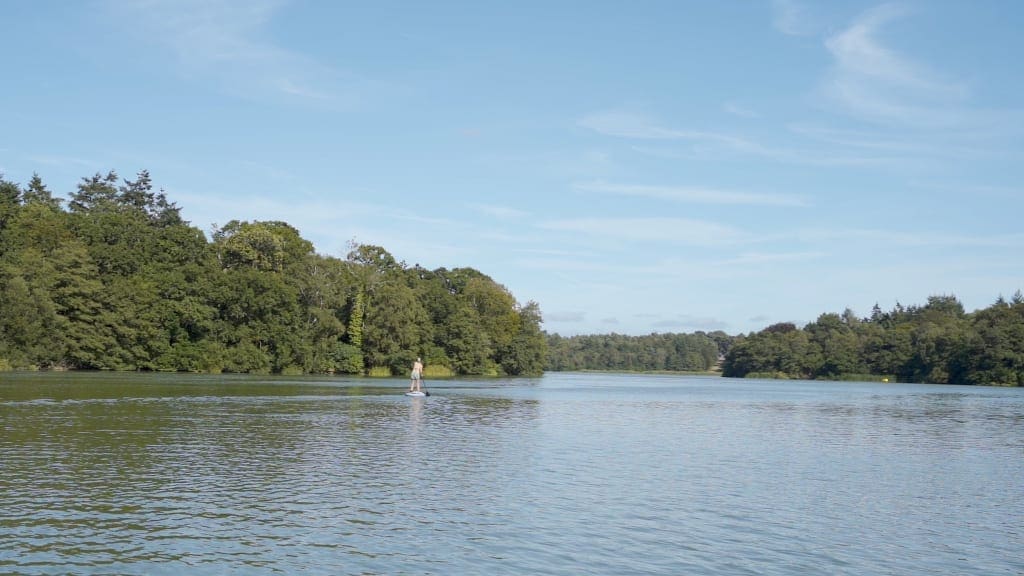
[[416, 377]]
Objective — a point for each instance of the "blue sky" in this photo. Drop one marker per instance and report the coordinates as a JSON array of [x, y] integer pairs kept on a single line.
[[634, 167]]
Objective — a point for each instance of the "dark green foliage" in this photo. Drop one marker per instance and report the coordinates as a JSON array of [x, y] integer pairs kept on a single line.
[[120, 282], [526, 354], [10, 201], [396, 327], [937, 343], [466, 345], [993, 352], [37, 193], [677, 352]]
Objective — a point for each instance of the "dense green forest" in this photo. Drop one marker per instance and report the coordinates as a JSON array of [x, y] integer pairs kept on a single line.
[[116, 280], [698, 352], [113, 278], [937, 343]]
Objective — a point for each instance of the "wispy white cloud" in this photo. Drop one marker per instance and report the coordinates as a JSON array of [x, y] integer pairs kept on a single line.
[[306, 210], [918, 239], [875, 141], [422, 219], [568, 263], [673, 230], [565, 316], [691, 194], [223, 42], [875, 82], [501, 212], [680, 322], [558, 253], [739, 110], [971, 189], [751, 258], [632, 125], [267, 170], [289, 86], [805, 157], [708, 144], [790, 17], [50, 160]]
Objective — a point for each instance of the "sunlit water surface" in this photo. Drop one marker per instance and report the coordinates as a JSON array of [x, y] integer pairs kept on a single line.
[[566, 474]]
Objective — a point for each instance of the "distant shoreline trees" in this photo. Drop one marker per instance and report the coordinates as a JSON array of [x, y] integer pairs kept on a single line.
[[936, 343], [698, 352], [119, 281]]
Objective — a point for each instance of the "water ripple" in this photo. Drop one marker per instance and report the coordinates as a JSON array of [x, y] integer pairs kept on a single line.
[[578, 475]]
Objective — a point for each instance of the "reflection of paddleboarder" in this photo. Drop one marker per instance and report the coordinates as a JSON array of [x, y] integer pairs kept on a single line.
[[416, 377]]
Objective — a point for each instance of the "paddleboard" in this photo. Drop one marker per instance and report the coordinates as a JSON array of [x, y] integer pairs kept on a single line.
[[418, 394]]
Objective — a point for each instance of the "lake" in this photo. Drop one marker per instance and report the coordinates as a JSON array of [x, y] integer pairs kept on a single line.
[[570, 473]]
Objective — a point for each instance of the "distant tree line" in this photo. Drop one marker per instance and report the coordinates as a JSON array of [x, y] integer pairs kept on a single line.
[[937, 343], [118, 281], [697, 352]]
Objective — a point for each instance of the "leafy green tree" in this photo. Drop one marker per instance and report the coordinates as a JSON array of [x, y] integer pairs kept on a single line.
[[322, 295], [269, 246], [885, 351], [691, 352], [495, 308], [257, 313], [28, 322], [396, 328], [80, 300], [38, 226], [120, 281], [367, 267], [526, 353], [95, 194], [37, 193], [10, 202], [937, 335], [840, 348], [466, 345], [356, 315], [993, 353]]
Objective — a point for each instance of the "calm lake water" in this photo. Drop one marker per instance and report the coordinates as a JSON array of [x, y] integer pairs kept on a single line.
[[567, 474]]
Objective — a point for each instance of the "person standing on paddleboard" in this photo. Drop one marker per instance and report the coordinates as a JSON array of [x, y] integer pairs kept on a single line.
[[417, 376]]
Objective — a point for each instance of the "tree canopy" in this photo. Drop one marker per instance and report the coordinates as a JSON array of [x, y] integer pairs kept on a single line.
[[937, 342], [698, 352], [119, 281]]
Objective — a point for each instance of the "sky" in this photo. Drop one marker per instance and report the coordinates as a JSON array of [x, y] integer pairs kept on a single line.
[[632, 167]]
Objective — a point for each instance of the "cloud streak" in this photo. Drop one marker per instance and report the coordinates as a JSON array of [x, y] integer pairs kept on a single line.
[[673, 230], [500, 212], [223, 42], [636, 126], [691, 194], [790, 18], [914, 239], [877, 83], [704, 144], [754, 258], [692, 322], [739, 110]]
